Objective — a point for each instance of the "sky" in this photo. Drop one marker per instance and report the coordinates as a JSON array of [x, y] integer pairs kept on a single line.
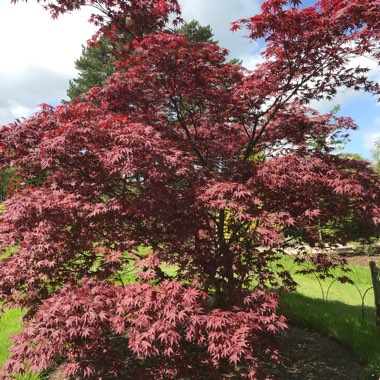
[[38, 56]]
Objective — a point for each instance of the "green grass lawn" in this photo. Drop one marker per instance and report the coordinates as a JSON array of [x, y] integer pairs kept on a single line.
[[9, 324], [340, 321], [349, 294], [339, 317]]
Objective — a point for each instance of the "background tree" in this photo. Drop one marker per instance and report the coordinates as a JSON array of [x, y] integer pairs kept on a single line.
[[97, 62], [6, 179], [94, 66], [352, 156], [189, 161], [376, 156], [195, 32]]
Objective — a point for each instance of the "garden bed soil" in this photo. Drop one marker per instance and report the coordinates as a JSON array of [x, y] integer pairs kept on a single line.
[[308, 355]]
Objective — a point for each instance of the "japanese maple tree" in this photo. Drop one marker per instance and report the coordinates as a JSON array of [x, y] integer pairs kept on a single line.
[[185, 160]]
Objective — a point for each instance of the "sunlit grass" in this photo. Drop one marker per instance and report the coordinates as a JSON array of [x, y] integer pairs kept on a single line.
[[9, 324], [332, 290], [6, 252], [335, 309]]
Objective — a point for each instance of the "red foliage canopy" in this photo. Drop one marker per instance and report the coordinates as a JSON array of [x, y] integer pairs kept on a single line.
[[209, 166]]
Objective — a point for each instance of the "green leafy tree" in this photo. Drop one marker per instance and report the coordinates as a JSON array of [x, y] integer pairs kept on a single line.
[[352, 156], [376, 156], [95, 65], [196, 32], [6, 177]]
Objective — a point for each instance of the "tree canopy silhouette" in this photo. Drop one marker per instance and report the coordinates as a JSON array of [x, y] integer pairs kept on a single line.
[[188, 161]]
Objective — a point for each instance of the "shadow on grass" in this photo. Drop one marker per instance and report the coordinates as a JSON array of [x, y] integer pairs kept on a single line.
[[340, 321]]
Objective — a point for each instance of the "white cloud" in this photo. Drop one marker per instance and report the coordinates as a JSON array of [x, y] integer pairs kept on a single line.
[[252, 61], [344, 96], [22, 91], [220, 14], [30, 36], [12, 111], [365, 61], [38, 56], [20, 111], [370, 137]]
